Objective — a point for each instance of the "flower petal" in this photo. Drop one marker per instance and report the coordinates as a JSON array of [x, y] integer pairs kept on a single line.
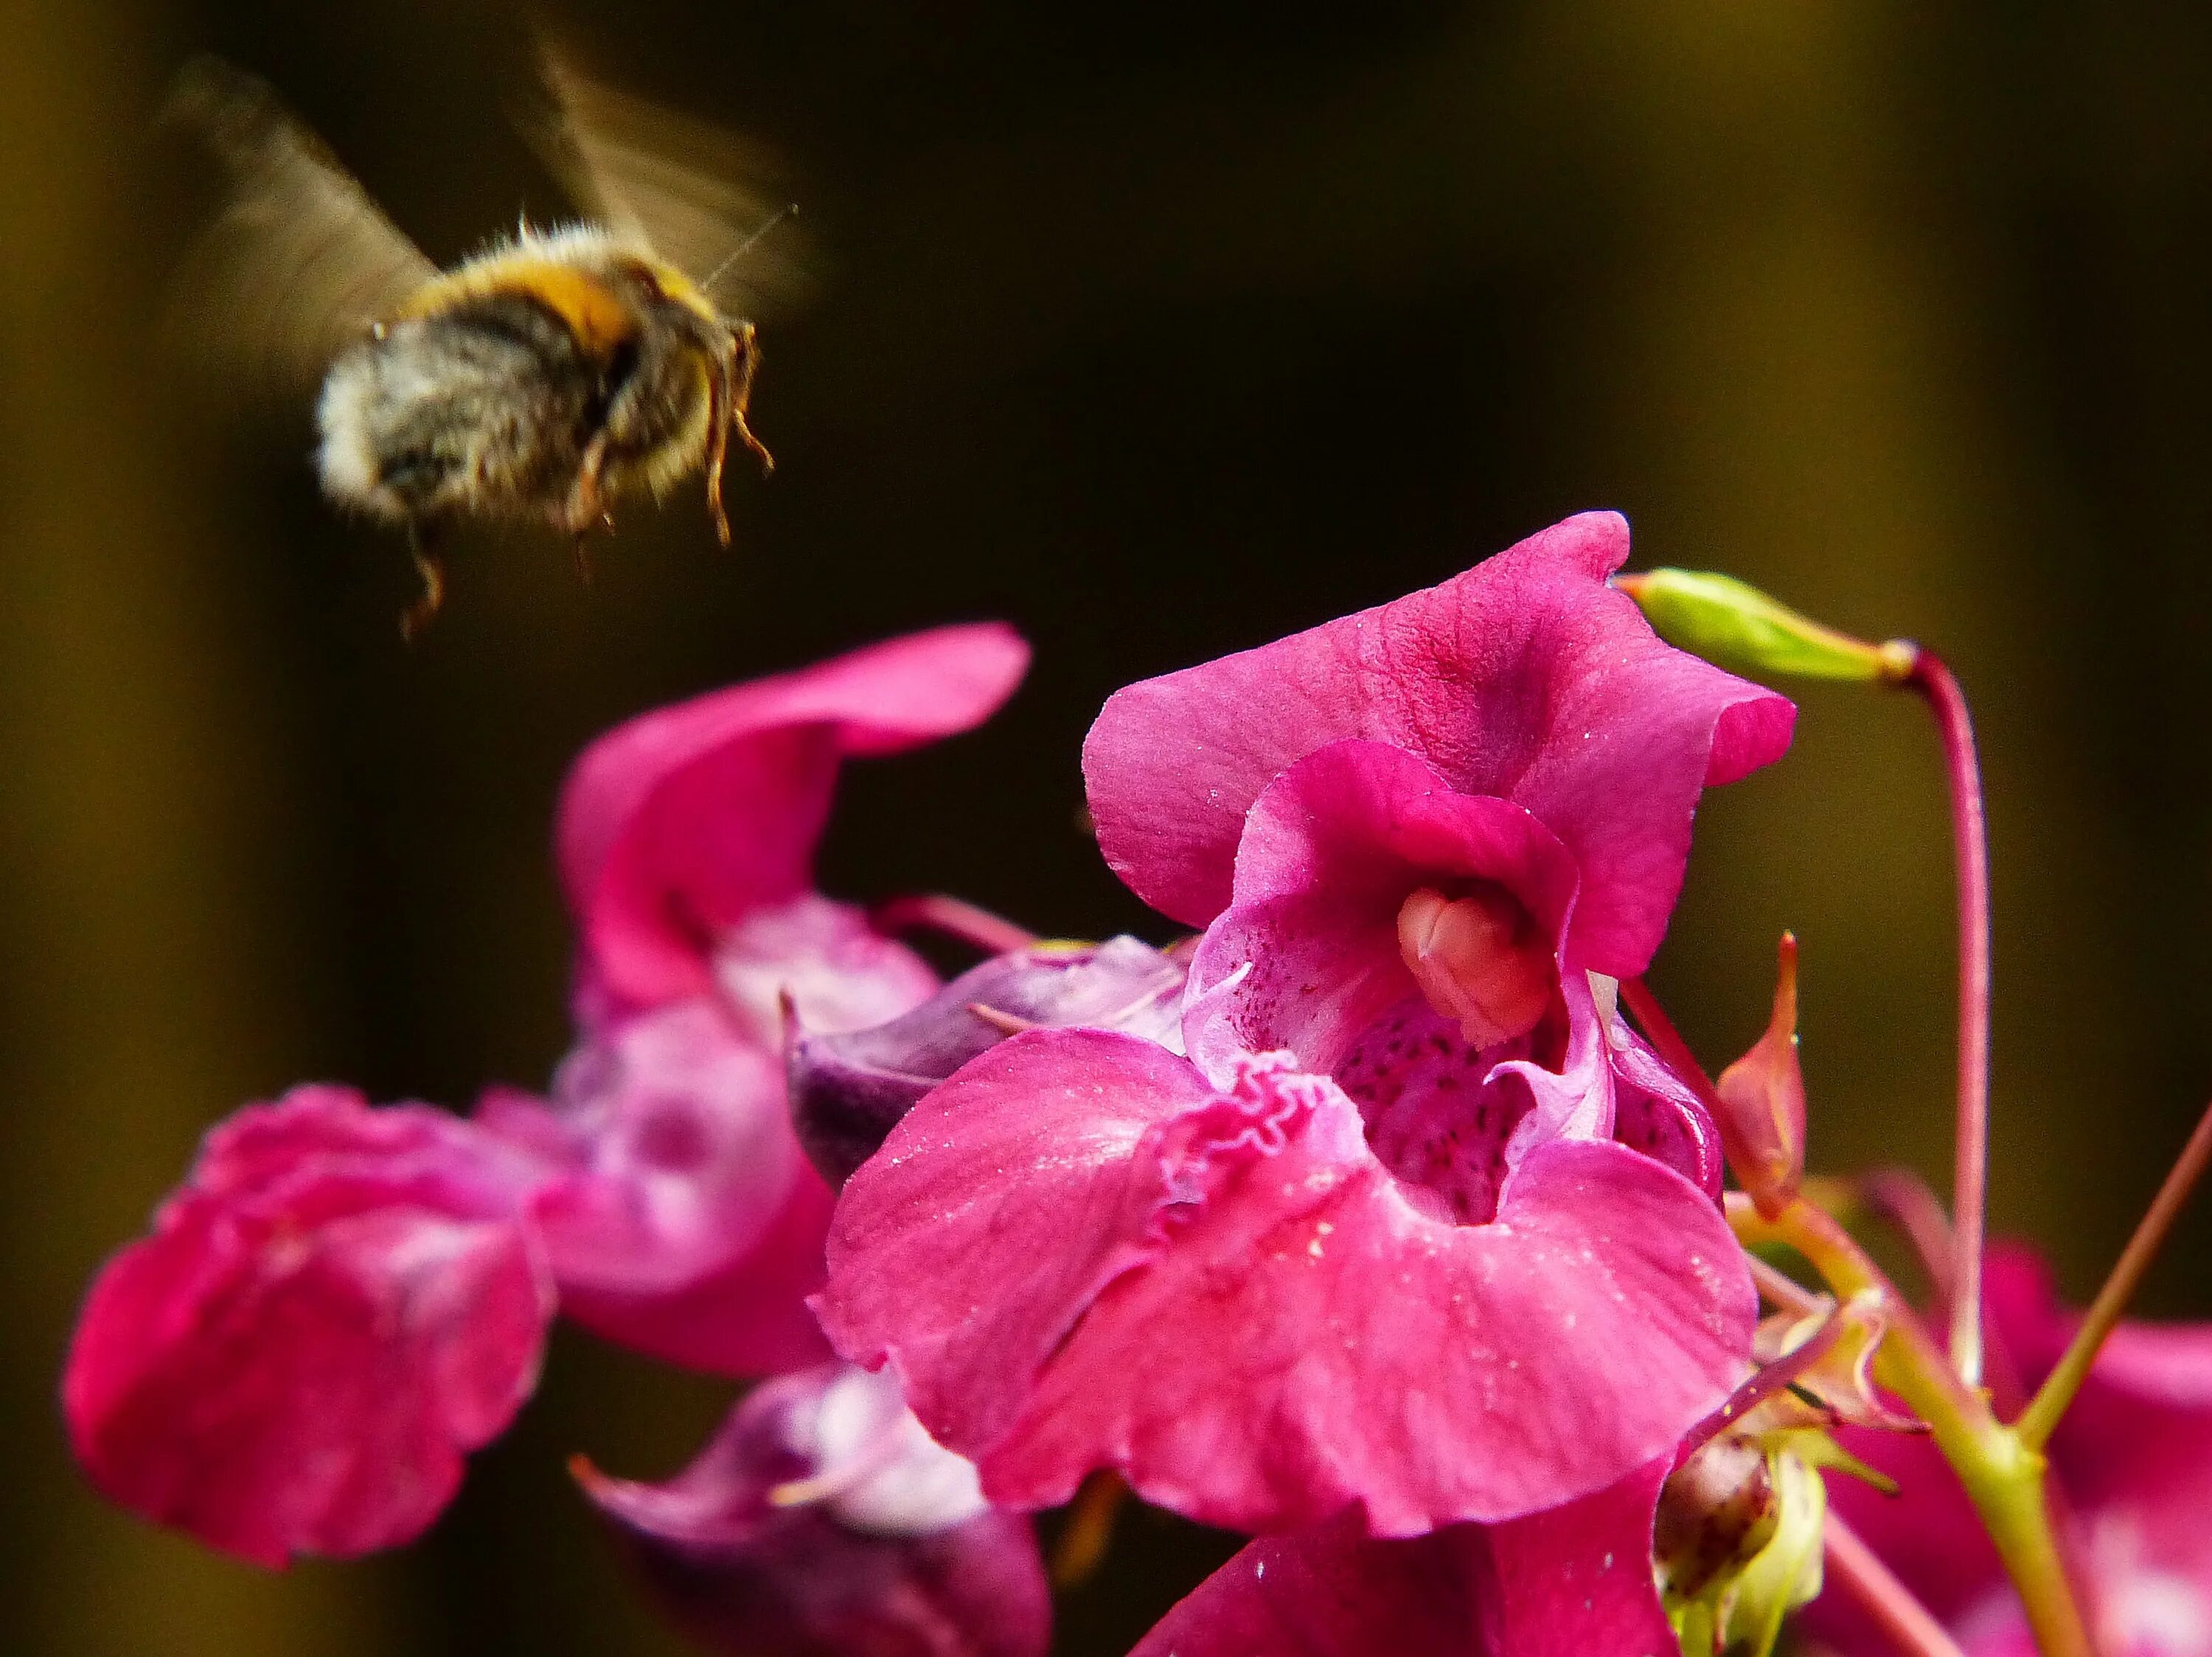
[[338, 1306], [679, 1216], [1572, 1582], [849, 1090], [1526, 677], [1079, 1255], [822, 1521], [1308, 956], [1655, 1112], [675, 826]]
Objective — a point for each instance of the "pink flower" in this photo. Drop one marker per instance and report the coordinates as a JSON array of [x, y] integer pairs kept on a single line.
[[1526, 678], [1573, 1582], [823, 1521], [1376, 1240], [337, 1306], [687, 836], [342, 1301], [2133, 1458], [685, 1220]]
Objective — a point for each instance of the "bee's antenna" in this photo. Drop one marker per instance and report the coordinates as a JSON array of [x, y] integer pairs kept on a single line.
[[788, 211]]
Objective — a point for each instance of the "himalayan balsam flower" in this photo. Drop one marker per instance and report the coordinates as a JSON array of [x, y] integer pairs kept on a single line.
[[2132, 1457], [342, 1302], [685, 1222], [1378, 1238], [823, 1521], [336, 1307]]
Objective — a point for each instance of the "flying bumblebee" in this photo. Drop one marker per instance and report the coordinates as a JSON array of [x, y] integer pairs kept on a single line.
[[545, 378]]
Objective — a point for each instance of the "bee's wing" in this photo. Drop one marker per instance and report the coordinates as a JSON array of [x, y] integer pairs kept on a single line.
[[691, 192], [300, 261]]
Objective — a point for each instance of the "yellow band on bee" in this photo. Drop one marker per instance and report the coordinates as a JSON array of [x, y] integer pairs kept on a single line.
[[594, 313]]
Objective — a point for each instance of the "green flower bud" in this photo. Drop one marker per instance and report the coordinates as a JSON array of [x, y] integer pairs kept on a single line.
[[1734, 624]]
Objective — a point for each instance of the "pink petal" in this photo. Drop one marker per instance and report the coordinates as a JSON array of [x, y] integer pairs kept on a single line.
[[1527, 678], [677, 826], [822, 1521], [1333, 1591], [337, 1306], [681, 1217], [1655, 1112], [1078, 1255], [1573, 1582], [1307, 957], [849, 1091], [818, 960]]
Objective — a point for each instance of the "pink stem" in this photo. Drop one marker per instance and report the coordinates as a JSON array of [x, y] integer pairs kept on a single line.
[[1902, 1197], [1858, 1570], [1971, 840], [1667, 1041], [953, 917], [1785, 1291]]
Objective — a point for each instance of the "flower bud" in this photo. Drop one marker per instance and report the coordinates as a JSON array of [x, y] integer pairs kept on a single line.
[[1735, 624], [1737, 1542], [1479, 958], [1764, 1126]]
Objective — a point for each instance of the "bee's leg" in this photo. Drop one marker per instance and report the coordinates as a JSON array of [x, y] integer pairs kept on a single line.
[[585, 507], [719, 407], [432, 569], [745, 361], [583, 558]]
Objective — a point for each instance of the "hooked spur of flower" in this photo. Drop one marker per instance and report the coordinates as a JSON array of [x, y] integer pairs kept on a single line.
[[342, 1302], [2132, 1458], [823, 1521], [336, 1307], [1378, 1240]]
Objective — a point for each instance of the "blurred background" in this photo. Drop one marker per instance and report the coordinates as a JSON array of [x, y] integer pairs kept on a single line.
[[1161, 330]]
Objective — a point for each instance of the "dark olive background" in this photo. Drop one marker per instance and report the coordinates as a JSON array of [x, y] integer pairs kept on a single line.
[[1160, 329]]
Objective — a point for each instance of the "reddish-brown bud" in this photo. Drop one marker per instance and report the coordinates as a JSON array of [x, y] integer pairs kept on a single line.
[[1764, 1126]]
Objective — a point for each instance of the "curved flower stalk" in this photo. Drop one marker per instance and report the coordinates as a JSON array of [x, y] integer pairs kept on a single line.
[[342, 1300], [1375, 1241]]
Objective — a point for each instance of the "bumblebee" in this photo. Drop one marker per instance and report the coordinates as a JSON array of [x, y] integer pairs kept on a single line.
[[544, 379]]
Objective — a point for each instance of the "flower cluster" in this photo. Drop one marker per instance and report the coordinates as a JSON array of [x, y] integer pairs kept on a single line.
[[1357, 1217]]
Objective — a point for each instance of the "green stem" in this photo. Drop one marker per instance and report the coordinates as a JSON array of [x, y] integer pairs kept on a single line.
[[2049, 1404], [2003, 1477]]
